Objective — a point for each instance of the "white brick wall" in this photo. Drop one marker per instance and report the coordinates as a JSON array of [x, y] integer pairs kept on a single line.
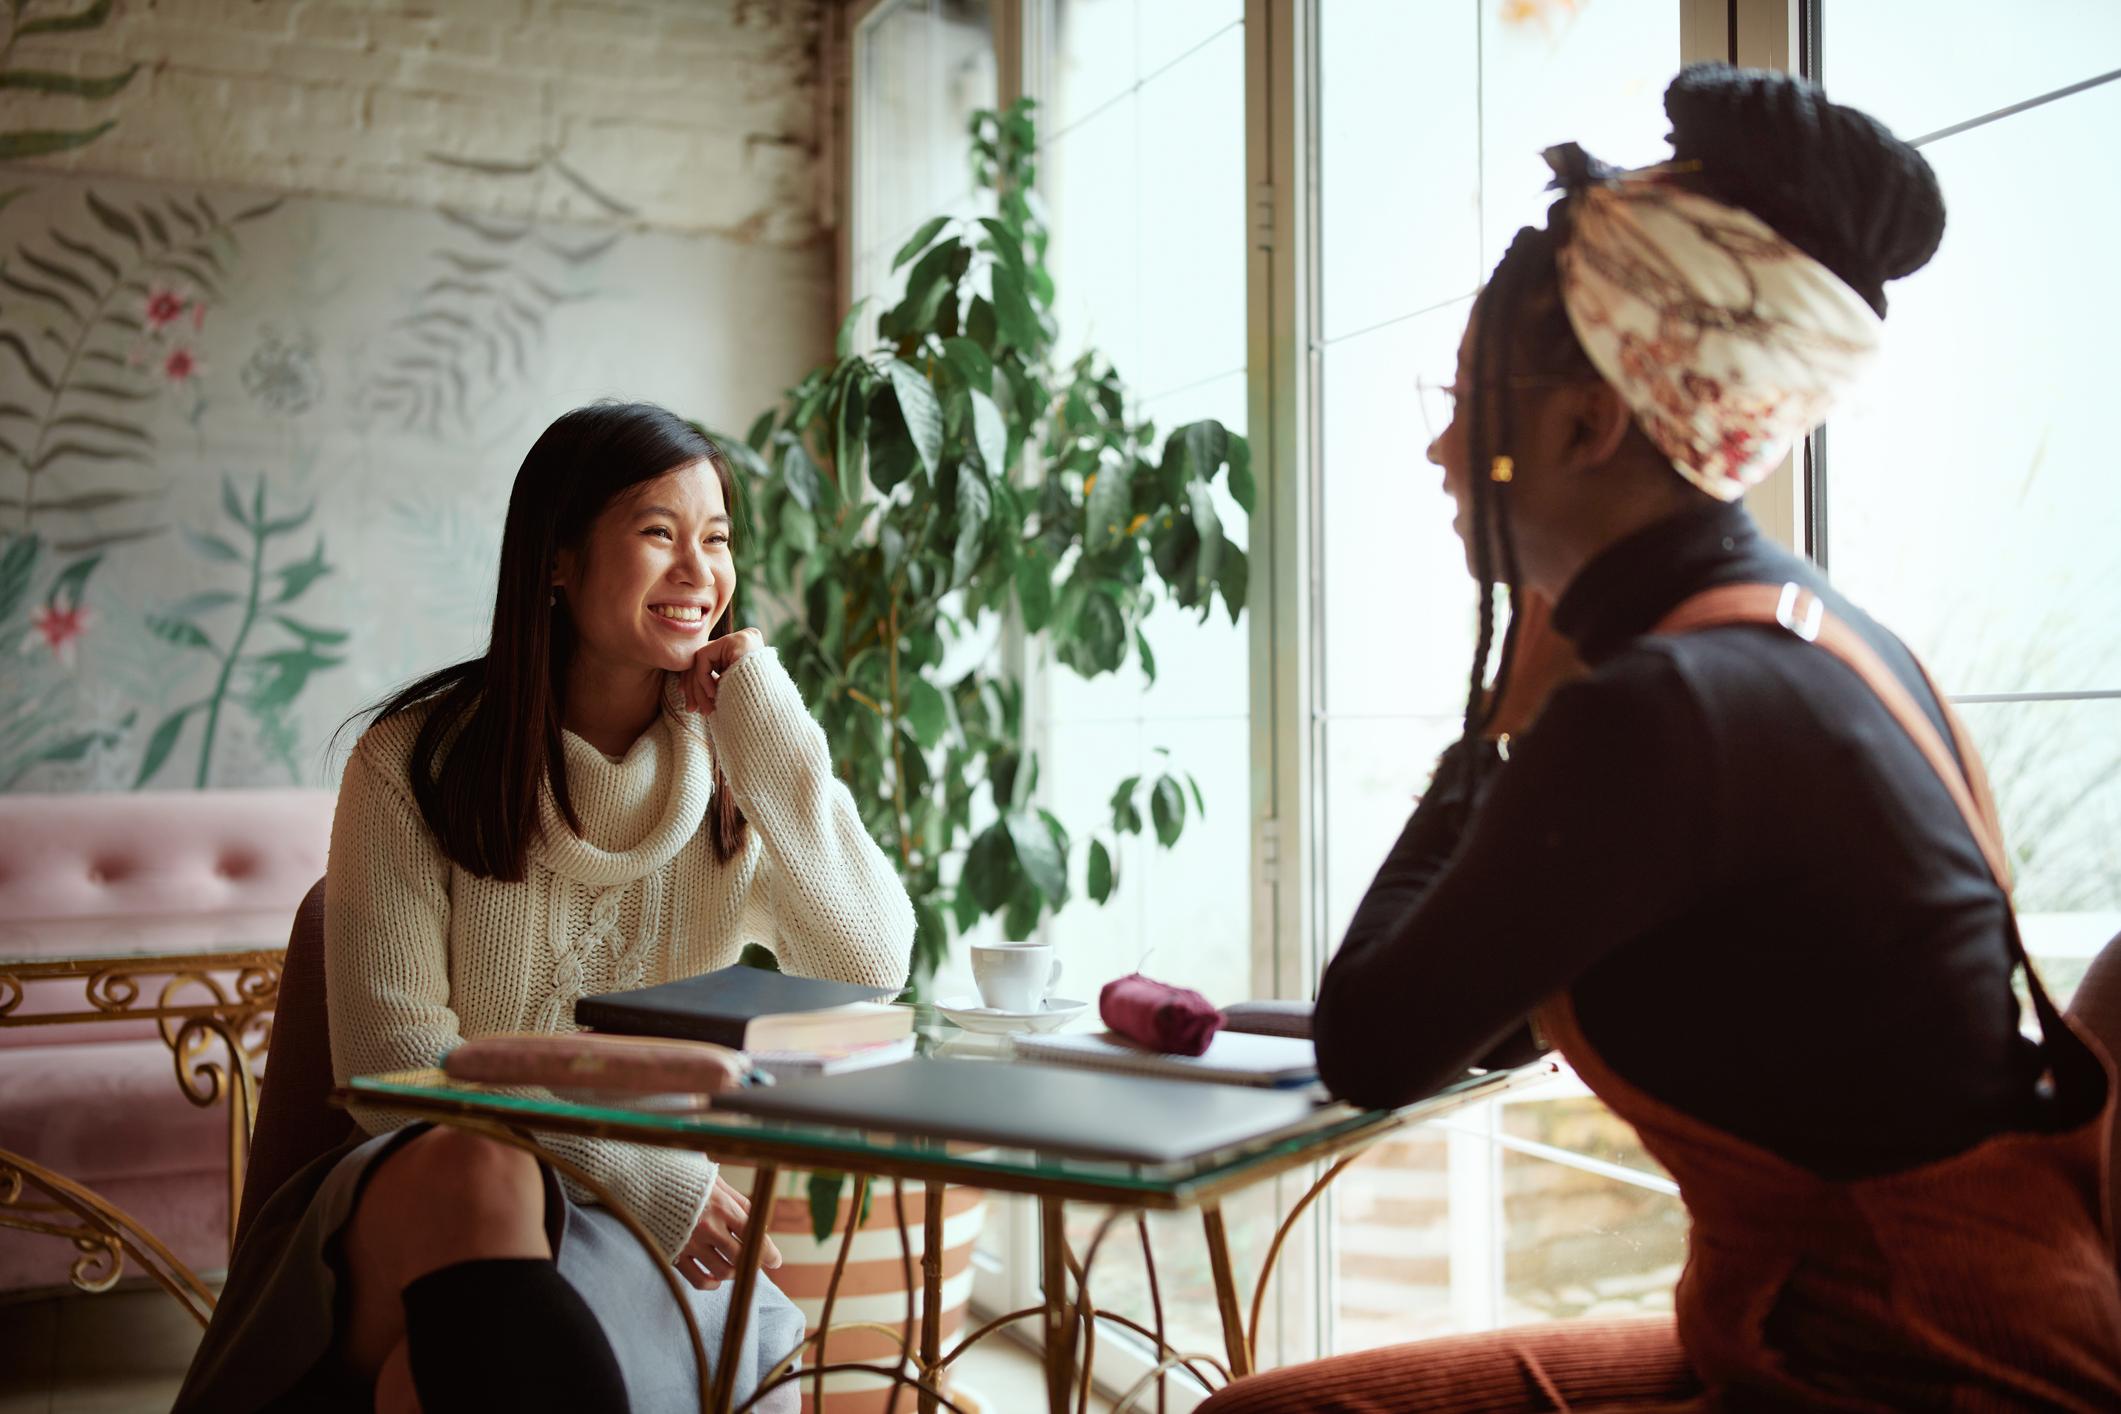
[[702, 116]]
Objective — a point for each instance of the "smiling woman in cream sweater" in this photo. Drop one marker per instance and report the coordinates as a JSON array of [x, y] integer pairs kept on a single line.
[[623, 791]]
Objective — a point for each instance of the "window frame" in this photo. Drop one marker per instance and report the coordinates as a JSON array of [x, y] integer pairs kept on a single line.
[[1289, 943]]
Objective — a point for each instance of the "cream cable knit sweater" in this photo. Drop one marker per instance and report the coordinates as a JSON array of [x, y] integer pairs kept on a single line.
[[419, 953]]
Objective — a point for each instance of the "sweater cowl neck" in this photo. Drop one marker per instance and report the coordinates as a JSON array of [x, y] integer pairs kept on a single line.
[[636, 813]]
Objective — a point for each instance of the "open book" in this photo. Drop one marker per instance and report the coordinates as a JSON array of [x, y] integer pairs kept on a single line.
[[1232, 1058]]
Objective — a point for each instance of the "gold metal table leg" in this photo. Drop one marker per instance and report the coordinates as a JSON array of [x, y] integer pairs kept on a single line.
[[931, 1292], [744, 1283], [1060, 1314], [1234, 1341]]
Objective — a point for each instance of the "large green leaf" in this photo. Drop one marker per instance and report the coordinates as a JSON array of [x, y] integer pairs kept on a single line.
[[918, 242], [850, 424], [1241, 487], [761, 433], [1167, 807], [969, 363], [1034, 588], [1126, 816], [931, 938], [843, 344], [798, 527], [974, 505], [1020, 918], [1207, 443], [922, 413], [1101, 631], [991, 869], [926, 713], [1230, 579], [1109, 507], [823, 1191], [1208, 525], [1015, 320], [990, 434], [800, 471], [1102, 876]]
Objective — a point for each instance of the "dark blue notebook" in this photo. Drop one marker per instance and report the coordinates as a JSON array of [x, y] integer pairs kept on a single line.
[[749, 1008]]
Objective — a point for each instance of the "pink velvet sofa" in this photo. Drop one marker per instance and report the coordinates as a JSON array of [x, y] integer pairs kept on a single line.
[[99, 1102]]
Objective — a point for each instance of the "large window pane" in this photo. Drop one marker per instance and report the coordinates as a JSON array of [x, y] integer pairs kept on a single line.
[[1432, 118], [1968, 487], [925, 67], [1985, 536], [1142, 163], [1952, 60], [2056, 771]]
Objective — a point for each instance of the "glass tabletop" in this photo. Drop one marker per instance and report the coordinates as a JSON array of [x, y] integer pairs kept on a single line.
[[691, 1122]]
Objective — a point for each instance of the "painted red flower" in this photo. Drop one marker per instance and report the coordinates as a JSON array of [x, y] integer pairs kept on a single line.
[[59, 628], [181, 364], [165, 306]]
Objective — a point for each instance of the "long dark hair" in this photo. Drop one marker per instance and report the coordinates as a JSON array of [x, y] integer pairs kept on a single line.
[[492, 733], [1829, 179]]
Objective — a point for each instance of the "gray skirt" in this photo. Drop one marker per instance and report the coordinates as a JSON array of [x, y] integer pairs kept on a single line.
[[271, 1344]]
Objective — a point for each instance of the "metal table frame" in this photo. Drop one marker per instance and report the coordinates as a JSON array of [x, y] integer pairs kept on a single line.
[[1069, 1317]]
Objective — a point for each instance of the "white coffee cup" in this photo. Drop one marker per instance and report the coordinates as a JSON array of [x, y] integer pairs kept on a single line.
[[1015, 976]]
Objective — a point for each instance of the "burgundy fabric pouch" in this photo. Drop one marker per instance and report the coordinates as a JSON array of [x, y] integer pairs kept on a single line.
[[1174, 1020]]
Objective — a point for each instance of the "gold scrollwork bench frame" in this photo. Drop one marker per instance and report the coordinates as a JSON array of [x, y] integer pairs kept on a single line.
[[221, 999]]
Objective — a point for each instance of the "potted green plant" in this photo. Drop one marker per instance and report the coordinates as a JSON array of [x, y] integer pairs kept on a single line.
[[904, 494]]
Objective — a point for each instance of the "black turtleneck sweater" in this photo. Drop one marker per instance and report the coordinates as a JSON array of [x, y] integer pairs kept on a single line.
[[1766, 907]]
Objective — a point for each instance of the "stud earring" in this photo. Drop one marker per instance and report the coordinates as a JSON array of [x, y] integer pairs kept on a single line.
[[1502, 470]]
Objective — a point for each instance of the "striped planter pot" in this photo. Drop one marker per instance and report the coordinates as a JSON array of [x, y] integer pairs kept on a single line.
[[873, 1288]]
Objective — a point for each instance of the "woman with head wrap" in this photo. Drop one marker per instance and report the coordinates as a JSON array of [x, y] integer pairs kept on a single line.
[[1717, 838]]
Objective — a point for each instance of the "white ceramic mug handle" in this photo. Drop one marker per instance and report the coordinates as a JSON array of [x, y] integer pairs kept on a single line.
[[1052, 980]]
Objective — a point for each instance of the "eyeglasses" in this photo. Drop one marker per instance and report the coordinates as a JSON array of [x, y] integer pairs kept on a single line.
[[1439, 397]]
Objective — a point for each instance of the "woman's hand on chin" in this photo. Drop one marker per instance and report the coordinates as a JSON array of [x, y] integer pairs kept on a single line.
[[703, 679]]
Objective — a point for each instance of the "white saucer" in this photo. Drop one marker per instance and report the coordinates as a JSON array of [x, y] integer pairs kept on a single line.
[[967, 1014]]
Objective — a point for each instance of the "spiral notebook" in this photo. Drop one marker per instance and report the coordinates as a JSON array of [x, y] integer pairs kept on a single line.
[[1232, 1058]]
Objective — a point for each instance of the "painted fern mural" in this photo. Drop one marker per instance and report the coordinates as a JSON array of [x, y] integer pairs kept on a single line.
[[254, 453], [100, 319], [485, 306]]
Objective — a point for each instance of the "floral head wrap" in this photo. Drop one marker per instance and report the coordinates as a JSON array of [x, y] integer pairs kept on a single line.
[[1728, 342]]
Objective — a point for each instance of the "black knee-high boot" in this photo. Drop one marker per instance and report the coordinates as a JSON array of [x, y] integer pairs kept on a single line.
[[508, 1333]]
